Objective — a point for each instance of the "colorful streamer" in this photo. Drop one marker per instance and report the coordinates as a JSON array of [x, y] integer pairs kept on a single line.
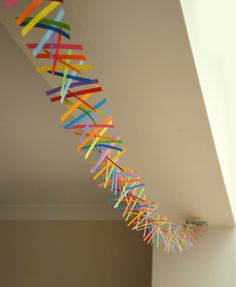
[[95, 128]]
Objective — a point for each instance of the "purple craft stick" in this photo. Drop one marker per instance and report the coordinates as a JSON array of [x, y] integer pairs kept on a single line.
[[84, 132], [100, 159], [116, 183], [76, 84]]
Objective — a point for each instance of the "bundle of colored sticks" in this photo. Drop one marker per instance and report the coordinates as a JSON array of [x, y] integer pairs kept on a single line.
[[86, 117]]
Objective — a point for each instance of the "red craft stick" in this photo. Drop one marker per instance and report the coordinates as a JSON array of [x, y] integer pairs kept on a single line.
[[56, 45], [55, 57], [78, 93], [62, 57]]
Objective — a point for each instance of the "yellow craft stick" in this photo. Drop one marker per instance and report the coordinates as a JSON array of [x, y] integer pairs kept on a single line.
[[86, 106], [73, 107], [130, 201], [43, 13], [69, 104], [113, 159], [76, 105], [95, 141], [139, 214], [43, 69], [82, 106], [108, 119], [97, 136], [125, 168]]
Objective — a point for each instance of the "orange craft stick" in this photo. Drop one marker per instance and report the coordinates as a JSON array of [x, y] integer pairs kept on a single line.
[[62, 57], [91, 135], [73, 107], [84, 102], [27, 11], [139, 214], [96, 136], [129, 204], [130, 180], [57, 58]]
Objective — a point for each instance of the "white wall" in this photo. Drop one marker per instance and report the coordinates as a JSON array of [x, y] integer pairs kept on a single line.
[[211, 27], [211, 263]]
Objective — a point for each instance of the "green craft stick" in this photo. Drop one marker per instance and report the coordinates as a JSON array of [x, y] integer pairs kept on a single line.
[[52, 22]]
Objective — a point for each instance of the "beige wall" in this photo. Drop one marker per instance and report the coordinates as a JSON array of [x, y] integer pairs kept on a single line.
[[70, 253], [211, 263]]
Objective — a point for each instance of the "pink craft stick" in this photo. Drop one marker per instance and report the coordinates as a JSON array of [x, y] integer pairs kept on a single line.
[[10, 3], [91, 126]]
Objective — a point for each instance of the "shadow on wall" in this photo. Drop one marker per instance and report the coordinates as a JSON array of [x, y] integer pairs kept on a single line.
[[72, 253]]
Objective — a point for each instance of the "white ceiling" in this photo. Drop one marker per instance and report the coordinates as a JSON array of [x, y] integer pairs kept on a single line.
[[141, 54]]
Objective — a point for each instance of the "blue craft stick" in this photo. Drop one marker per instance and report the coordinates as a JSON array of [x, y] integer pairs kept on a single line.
[[127, 174], [75, 78], [98, 146], [69, 82], [81, 117], [49, 27], [126, 192], [113, 178], [136, 186], [48, 34]]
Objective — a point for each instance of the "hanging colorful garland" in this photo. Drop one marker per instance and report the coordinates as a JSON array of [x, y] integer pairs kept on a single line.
[[95, 128]]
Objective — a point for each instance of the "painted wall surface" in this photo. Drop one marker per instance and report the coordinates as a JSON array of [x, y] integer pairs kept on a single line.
[[210, 263], [70, 253], [211, 27]]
